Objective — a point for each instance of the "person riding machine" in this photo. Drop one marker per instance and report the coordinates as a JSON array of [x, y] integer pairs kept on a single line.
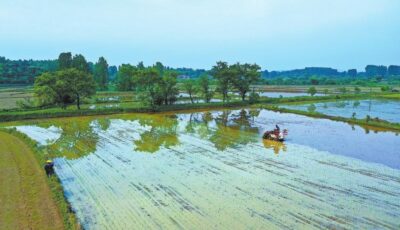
[[276, 134]]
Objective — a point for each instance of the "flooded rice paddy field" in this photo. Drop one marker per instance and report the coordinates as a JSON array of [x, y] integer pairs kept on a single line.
[[265, 94], [286, 94], [212, 170], [383, 109]]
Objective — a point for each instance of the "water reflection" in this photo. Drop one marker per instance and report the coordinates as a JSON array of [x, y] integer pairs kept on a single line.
[[79, 137], [163, 132], [226, 128], [276, 146], [212, 170], [223, 130]]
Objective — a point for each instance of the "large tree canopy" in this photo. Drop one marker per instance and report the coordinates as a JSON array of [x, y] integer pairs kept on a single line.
[[243, 76], [64, 86], [240, 76]]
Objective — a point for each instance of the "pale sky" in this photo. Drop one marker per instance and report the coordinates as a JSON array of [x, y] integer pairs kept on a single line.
[[276, 34]]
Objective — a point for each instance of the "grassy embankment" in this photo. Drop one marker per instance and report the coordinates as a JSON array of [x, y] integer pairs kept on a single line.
[[29, 200], [25, 198]]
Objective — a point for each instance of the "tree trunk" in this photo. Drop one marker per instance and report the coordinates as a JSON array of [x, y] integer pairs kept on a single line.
[[191, 98], [78, 101], [243, 95]]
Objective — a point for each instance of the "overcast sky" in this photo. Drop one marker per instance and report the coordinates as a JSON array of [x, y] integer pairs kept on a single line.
[[276, 34]]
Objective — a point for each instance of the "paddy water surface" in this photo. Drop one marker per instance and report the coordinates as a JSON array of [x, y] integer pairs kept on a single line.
[[212, 170]]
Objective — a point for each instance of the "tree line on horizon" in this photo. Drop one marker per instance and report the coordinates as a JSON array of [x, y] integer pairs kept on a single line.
[[25, 72]]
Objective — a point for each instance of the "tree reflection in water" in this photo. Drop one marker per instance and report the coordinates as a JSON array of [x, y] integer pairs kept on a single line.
[[225, 129], [163, 132], [79, 137]]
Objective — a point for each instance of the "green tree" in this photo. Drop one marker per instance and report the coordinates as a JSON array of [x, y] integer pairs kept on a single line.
[[101, 73], [243, 76], [64, 86], [254, 97], [65, 60], [79, 62], [148, 86], [223, 74], [77, 83], [168, 87], [190, 88], [204, 87], [385, 88], [312, 91], [46, 89], [155, 85], [125, 77], [357, 90]]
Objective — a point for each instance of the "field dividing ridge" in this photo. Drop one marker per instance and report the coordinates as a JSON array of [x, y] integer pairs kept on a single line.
[[25, 198]]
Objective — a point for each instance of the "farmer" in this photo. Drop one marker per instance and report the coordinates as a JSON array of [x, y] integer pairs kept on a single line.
[[48, 167], [276, 132]]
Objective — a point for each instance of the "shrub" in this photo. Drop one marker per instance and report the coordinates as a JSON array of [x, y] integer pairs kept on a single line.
[[254, 97]]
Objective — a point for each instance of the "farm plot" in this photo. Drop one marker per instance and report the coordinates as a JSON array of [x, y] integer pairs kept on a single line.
[[211, 170]]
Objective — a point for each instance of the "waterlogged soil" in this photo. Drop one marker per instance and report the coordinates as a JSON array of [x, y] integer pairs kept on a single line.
[[212, 170], [383, 109]]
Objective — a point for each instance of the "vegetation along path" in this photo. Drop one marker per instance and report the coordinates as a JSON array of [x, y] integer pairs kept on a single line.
[[25, 197]]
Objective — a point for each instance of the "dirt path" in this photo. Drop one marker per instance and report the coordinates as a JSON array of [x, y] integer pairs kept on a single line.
[[25, 198]]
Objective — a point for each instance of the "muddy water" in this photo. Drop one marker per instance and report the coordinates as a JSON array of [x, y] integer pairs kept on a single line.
[[211, 170], [384, 109]]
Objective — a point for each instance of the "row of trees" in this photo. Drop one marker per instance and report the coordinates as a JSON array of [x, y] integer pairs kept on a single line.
[[155, 85], [23, 71], [74, 79], [381, 70], [321, 80], [158, 85], [370, 71]]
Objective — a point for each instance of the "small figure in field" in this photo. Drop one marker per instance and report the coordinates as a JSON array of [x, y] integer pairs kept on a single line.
[[49, 168], [276, 134]]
